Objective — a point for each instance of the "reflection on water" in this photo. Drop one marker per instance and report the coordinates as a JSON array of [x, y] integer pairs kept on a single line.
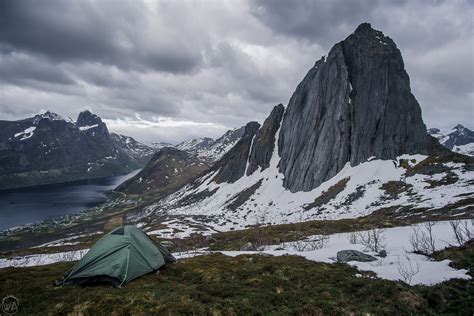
[[29, 205]]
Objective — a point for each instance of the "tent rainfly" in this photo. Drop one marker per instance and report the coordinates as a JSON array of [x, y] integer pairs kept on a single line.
[[120, 256]]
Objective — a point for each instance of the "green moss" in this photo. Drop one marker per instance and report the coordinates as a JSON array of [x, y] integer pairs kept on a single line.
[[435, 164], [449, 178], [329, 194], [460, 257], [394, 188]]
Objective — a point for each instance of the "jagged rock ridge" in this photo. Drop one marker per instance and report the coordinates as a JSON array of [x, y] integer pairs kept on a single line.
[[264, 142], [233, 164], [209, 149]]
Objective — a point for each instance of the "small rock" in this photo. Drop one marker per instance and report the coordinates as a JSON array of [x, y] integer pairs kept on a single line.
[[167, 244], [382, 254], [280, 248], [354, 255], [248, 247], [210, 239]]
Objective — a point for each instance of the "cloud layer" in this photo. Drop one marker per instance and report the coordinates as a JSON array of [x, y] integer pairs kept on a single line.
[[166, 71]]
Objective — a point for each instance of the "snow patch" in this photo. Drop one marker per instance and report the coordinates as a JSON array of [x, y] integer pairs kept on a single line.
[[27, 133], [87, 127]]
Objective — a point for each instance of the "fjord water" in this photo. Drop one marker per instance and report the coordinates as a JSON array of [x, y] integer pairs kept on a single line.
[[29, 205]]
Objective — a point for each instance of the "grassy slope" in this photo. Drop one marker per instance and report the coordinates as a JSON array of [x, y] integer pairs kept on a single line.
[[220, 285]]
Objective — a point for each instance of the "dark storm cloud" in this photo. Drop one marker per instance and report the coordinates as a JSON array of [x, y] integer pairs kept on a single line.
[[23, 69], [107, 32], [313, 20], [162, 70]]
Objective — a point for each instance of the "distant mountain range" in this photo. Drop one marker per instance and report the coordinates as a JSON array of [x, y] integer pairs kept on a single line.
[[171, 167], [459, 139], [158, 145], [49, 148]]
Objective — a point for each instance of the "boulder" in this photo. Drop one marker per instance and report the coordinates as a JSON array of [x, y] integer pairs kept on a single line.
[[168, 244], [354, 255], [248, 247]]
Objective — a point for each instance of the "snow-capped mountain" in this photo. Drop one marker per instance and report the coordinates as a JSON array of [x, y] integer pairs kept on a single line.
[[48, 148], [133, 148], [158, 145], [195, 144], [459, 139], [209, 149], [221, 145], [350, 142]]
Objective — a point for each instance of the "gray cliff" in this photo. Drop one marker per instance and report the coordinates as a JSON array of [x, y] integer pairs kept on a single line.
[[352, 105]]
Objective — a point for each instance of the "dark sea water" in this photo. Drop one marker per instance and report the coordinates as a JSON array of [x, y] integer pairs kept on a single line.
[[29, 205]]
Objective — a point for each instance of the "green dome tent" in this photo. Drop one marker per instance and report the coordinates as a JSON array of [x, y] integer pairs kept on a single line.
[[120, 256]]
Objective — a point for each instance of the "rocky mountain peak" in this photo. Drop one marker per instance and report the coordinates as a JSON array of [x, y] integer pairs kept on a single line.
[[352, 105], [86, 118], [264, 142], [91, 123], [49, 116]]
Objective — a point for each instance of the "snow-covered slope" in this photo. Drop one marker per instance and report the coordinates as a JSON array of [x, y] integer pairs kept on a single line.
[[195, 144], [409, 183], [459, 139], [220, 146]]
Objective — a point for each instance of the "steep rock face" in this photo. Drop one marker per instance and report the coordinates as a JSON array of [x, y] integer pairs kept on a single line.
[[352, 105], [232, 165], [264, 142], [167, 170]]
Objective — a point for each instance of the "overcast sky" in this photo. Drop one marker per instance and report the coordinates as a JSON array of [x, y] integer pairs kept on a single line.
[[171, 70]]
